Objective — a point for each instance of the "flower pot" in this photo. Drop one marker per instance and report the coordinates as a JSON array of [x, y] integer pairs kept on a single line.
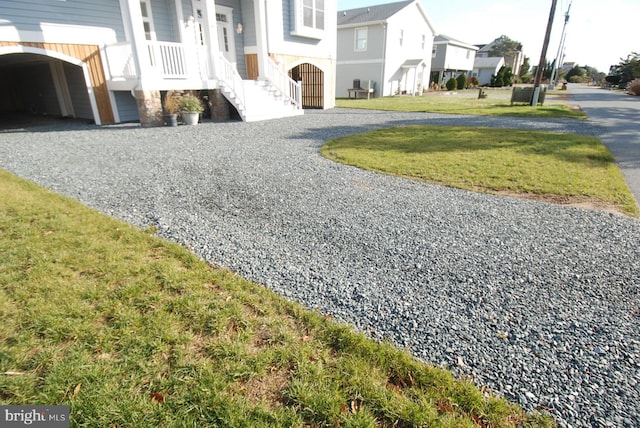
[[190, 118], [171, 119]]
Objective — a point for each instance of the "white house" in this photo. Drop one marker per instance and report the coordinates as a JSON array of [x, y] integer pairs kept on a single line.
[[486, 67], [112, 60], [388, 45], [450, 58]]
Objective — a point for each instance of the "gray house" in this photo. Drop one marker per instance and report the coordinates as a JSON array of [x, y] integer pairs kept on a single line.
[[451, 58], [387, 47], [112, 60], [485, 68]]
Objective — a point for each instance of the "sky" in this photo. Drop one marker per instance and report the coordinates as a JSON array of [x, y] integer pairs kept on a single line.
[[598, 34]]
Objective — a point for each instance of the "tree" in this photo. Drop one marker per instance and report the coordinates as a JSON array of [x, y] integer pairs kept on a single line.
[[505, 47], [452, 84], [524, 76], [627, 70], [462, 81], [503, 78], [576, 75]]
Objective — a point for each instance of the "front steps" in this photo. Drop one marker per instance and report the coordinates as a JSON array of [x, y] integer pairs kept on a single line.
[[261, 101]]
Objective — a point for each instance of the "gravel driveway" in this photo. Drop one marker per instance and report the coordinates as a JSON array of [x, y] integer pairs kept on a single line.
[[539, 302]]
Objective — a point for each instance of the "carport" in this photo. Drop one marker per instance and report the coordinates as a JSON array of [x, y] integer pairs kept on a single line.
[[41, 81]]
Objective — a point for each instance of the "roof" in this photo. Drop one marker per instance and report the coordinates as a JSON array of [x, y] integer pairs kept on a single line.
[[377, 13], [412, 63], [441, 39], [488, 62]]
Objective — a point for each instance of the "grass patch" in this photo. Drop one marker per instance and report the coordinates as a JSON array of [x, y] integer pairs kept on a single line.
[[497, 104], [567, 168], [132, 331]]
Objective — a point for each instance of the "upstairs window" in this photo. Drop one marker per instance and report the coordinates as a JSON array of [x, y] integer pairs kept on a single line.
[[434, 51], [361, 39], [147, 20], [308, 19]]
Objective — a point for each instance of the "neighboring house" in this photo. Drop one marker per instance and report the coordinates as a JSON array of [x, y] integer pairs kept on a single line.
[[112, 60], [514, 61], [450, 58], [389, 45], [485, 68]]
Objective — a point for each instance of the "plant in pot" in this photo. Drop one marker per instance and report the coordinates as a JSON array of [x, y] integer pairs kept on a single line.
[[190, 108], [171, 108]]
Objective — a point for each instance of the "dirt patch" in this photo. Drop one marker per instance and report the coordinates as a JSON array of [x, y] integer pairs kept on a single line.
[[570, 201]]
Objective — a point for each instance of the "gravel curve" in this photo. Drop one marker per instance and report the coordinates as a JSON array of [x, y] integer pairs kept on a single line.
[[539, 302]]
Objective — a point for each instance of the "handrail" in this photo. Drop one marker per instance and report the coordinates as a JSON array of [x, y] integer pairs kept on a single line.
[[231, 79], [291, 89]]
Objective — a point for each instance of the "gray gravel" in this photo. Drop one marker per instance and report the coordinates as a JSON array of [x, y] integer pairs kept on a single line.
[[539, 302]]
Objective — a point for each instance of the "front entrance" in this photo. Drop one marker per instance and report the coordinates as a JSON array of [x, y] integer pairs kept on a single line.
[[226, 38], [312, 84]]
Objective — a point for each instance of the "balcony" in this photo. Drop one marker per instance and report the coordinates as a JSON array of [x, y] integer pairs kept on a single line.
[[170, 63]]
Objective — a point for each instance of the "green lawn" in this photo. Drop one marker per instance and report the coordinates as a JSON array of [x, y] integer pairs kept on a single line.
[[550, 166], [132, 331], [465, 102]]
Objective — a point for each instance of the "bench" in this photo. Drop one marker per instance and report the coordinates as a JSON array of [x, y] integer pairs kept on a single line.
[[524, 94], [357, 91]]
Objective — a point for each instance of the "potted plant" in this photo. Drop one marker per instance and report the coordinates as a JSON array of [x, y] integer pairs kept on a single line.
[[190, 108], [171, 108]]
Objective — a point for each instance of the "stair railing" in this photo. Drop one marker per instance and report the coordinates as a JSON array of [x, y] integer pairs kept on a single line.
[[291, 90]]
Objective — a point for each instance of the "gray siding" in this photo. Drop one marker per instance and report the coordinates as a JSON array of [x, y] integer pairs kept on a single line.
[[346, 74], [26, 15], [164, 20], [126, 106], [248, 19], [375, 44], [78, 91]]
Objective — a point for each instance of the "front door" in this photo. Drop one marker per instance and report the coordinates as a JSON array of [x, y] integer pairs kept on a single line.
[[226, 40]]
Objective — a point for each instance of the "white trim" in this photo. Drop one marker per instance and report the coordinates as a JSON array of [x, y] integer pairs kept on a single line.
[[60, 33], [85, 70], [62, 89], [360, 61], [230, 33], [355, 39]]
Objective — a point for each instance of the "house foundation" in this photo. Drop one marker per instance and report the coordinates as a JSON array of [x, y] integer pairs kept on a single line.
[[149, 105]]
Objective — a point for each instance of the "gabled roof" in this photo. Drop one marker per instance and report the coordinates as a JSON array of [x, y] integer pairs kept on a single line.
[[371, 14], [442, 39]]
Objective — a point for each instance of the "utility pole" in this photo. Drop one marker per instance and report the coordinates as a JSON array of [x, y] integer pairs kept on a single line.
[[560, 55], [543, 56]]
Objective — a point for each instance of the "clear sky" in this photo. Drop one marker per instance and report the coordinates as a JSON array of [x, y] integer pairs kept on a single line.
[[598, 33]]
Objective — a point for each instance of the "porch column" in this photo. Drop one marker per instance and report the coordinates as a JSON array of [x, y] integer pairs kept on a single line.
[[211, 35], [262, 43], [147, 98]]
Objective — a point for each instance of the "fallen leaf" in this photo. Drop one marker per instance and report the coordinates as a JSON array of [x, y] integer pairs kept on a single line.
[[76, 390], [305, 339], [343, 408], [445, 408], [10, 373], [502, 336], [156, 396], [354, 407], [478, 421]]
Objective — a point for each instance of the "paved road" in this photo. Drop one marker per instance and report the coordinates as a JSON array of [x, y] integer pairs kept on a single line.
[[616, 116]]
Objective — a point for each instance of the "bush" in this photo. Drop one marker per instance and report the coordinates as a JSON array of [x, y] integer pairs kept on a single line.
[[452, 84], [462, 81], [474, 82], [634, 87]]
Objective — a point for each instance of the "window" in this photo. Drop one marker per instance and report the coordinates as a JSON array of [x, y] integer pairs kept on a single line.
[[401, 36], [361, 39], [434, 51], [308, 18], [468, 54], [424, 41], [147, 20]]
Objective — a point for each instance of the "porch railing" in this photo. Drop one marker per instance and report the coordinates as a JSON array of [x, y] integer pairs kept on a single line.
[[231, 80], [290, 89], [168, 60]]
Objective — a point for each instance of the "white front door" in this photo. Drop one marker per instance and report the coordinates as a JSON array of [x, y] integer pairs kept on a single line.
[[226, 39]]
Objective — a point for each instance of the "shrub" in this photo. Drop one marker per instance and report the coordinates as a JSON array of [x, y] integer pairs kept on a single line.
[[473, 81], [462, 81], [452, 84], [634, 87], [190, 103]]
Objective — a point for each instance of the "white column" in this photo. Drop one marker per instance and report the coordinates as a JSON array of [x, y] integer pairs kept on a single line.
[[133, 21], [260, 13], [211, 34]]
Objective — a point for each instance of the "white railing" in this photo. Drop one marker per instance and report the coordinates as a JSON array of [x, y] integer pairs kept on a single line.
[[231, 80], [168, 60], [120, 60], [291, 90]]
